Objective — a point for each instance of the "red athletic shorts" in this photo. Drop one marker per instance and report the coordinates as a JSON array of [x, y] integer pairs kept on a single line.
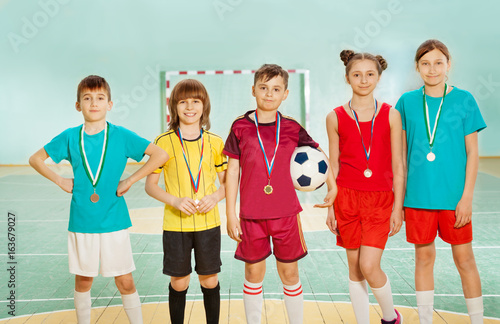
[[422, 225], [286, 232], [363, 217]]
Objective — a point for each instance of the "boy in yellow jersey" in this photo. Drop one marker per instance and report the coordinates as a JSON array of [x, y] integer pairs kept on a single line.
[[191, 219]]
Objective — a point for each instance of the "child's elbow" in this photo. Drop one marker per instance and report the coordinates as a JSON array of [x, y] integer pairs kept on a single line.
[[164, 156], [32, 160]]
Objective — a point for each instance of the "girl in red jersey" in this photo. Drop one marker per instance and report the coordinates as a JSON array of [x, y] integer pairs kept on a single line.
[[365, 139]]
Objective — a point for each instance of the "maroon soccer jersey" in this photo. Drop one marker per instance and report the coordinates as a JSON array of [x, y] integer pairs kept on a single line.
[[243, 144]]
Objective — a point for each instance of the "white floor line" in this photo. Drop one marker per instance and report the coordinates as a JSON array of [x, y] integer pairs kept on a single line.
[[226, 295], [411, 249]]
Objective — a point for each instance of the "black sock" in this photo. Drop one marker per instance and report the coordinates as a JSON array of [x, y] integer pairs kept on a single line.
[[211, 300], [176, 304]]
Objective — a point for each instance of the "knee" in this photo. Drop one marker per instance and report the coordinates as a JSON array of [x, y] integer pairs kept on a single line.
[[83, 284], [125, 284], [254, 274], [180, 283], [425, 257], [465, 263], [289, 276], [368, 268], [209, 282]]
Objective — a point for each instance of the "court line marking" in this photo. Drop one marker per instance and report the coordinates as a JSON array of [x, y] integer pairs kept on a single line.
[[232, 251], [228, 295]]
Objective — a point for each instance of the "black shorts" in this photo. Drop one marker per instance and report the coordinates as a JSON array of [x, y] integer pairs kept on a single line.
[[177, 248]]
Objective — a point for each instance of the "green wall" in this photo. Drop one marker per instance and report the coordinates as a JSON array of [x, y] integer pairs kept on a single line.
[[48, 46]]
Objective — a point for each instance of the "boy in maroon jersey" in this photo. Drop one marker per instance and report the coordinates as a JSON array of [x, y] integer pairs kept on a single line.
[[261, 142]]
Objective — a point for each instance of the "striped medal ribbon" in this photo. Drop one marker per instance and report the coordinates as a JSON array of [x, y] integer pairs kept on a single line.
[[367, 173], [432, 136], [269, 166], [194, 182], [94, 179]]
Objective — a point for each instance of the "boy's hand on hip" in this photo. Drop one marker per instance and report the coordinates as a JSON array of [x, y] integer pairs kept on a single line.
[[66, 184]]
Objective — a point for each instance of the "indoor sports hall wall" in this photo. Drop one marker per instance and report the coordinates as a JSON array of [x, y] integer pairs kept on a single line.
[[48, 46]]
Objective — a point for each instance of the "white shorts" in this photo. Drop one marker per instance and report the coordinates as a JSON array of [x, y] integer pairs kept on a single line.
[[112, 250]]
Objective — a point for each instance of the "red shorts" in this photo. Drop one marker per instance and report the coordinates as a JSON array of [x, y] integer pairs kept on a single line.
[[363, 217], [288, 240], [422, 225]]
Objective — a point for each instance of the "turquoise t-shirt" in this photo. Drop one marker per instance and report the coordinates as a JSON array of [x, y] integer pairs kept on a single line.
[[438, 184], [110, 213]]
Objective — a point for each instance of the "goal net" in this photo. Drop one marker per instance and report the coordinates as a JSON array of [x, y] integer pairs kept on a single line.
[[230, 94]]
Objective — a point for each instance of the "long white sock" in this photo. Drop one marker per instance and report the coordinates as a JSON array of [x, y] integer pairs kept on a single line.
[[82, 307], [132, 306], [385, 301], [358, 291], [425, 304], [475, 309], [294, 303], [253, 299]]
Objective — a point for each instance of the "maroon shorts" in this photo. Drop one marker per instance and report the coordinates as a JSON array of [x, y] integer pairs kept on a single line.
[[422, 225], [363, 217], [286, 233]]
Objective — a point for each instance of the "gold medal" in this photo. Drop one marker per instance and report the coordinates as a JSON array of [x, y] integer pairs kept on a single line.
[[268, 189]]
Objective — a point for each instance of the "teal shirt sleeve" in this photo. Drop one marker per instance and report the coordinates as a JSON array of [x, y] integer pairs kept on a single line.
[[473, 121], [58, 147], [400, 107], [135, 146]]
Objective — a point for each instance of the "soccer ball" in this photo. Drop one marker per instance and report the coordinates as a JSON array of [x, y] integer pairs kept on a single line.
[[308, 168]]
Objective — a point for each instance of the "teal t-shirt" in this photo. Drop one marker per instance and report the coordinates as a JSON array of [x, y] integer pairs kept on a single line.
[[438, 184], [110, 213]]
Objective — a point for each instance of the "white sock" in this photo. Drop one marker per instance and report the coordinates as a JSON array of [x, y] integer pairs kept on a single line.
[[358, 291], [132, 306], [384, 299], [294, 303], [253, 299], [475, 309], [425, 304], [82, 307]]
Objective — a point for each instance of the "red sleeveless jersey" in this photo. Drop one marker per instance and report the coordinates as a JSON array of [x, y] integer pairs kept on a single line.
[[352, 155]]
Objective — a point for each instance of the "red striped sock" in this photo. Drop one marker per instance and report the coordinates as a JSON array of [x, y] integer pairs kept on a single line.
[[253, 298], [294, 302]]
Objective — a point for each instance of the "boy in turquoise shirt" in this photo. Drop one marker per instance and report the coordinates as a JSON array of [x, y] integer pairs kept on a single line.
[[99, 218]]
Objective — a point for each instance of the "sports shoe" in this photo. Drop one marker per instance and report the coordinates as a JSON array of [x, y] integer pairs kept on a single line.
[[397, 320]]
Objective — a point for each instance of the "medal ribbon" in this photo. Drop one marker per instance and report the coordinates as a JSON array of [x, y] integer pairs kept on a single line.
[[269, 167], [431, 136], [194, 183], [367, 153], [94, 179]]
